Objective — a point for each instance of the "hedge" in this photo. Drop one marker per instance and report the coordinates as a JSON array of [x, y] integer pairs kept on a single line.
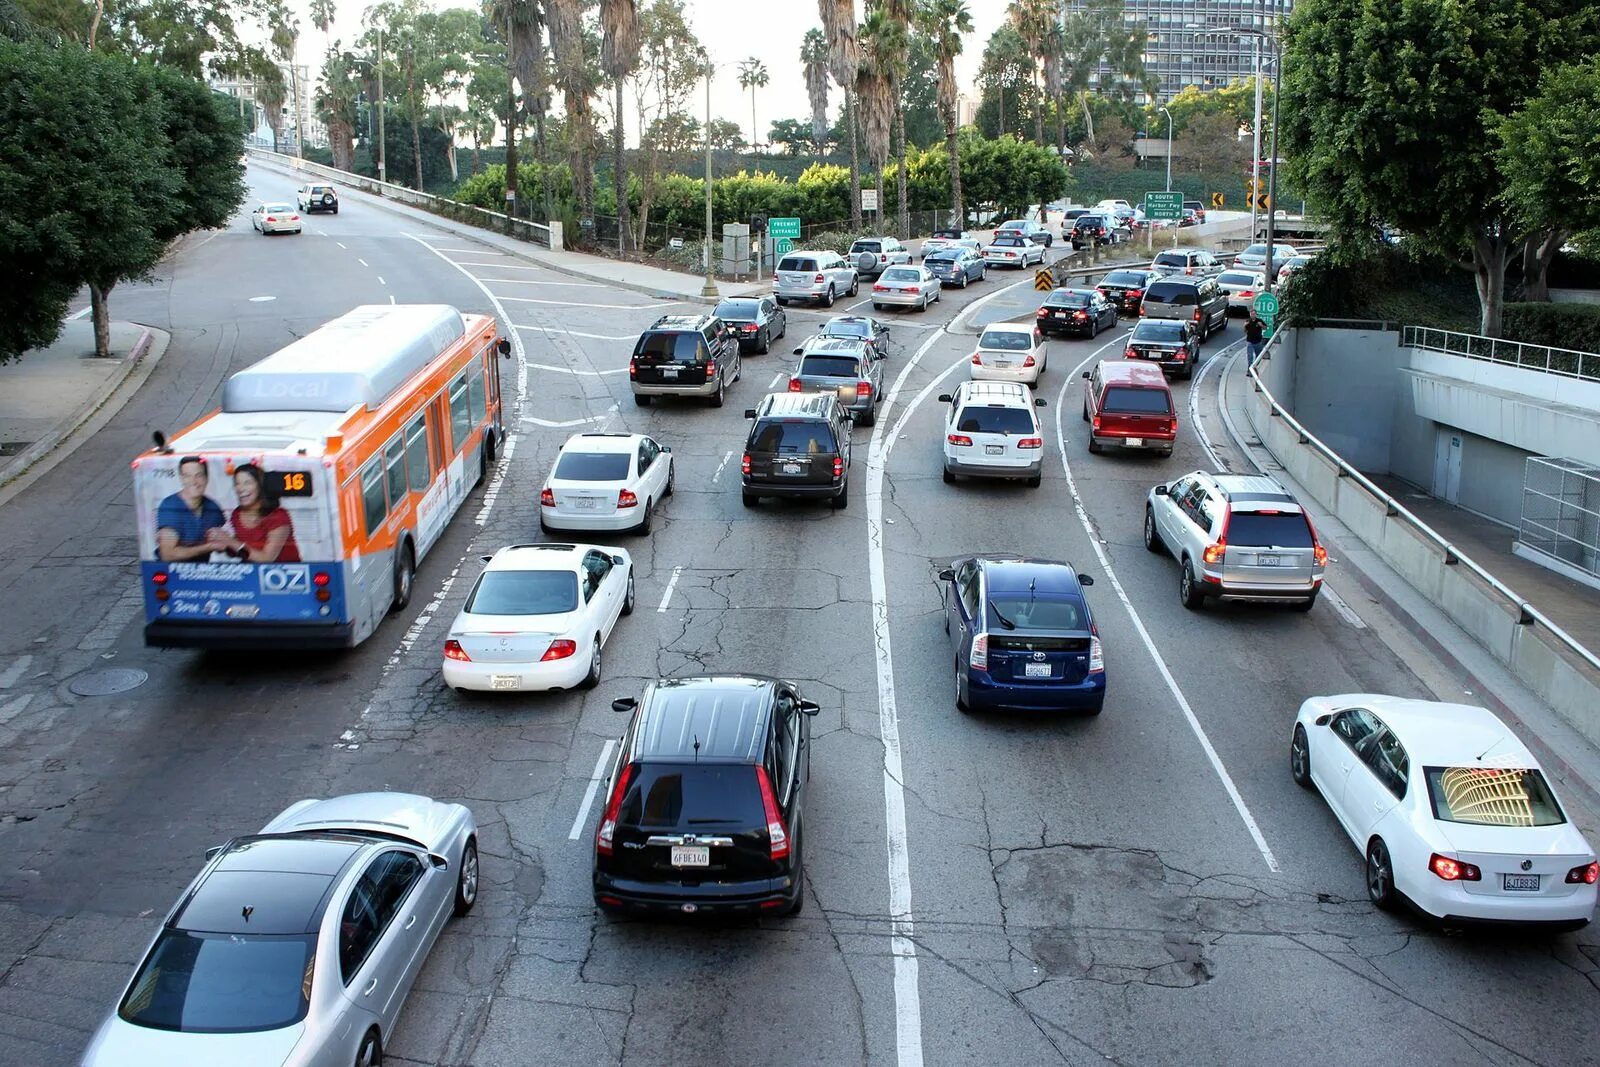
[[1574, 326]]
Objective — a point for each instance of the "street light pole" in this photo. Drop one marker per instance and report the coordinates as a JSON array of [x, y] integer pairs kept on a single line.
[[709, 290]]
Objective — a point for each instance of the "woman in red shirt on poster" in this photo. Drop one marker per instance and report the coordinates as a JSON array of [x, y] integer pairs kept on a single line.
[[262, 530]]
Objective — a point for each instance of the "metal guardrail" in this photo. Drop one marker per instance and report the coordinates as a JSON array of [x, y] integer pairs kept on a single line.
[[1527, 613], [1567, 362], [536, 232]]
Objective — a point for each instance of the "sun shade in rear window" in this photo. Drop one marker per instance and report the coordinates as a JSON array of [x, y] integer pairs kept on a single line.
[[1262, 530], [524, 593], [994, 420], [1127, 400]]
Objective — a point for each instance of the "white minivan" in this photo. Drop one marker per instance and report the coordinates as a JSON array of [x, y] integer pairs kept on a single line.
[[993, 432]]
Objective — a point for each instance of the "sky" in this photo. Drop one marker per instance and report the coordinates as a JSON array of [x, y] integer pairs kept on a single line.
[[731, 30]]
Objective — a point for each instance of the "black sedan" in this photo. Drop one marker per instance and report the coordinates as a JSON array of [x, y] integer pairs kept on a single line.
[[956, 267], [756, 321], [1125, 288], [1172, 343], [1080, 311]]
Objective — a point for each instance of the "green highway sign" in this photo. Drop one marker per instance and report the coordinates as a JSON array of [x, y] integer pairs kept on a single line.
[[783, 228], [1266, 307], [1163, 206]]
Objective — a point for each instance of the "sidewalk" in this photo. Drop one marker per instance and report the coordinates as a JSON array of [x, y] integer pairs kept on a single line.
[[51, 392]]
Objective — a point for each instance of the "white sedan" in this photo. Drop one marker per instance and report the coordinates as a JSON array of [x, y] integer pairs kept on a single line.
[[906, 286], [537, 618], [1009, 352], [275, 218], [606, 481], [1450, 809]]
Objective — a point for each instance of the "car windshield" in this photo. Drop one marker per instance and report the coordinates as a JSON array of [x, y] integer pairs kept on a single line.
[[1128, 400], [995, 420], [592, 467], [1236, 277], [1163, 330], [1172, 294], [524, 593], [1071, 298], [673, 796], [793, 437], [1492, 796], [1038, 613], [221, 983], [1261, 529], [830, 367], [679, 347], [1006, 340], [1123, 277], [902, 274], [738, 310], [796, 263]]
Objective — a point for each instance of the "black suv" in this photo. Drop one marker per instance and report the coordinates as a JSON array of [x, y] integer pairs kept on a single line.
[[1091, 230], [704, 801], [799, 446], [685, 355]]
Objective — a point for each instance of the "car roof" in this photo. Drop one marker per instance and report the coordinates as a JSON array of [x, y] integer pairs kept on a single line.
[[546, 556], [1020, 574], [270, 884], [624, 443], [1131, 372], [1436, 734], [796, 405], [720, 719], [995, 394]]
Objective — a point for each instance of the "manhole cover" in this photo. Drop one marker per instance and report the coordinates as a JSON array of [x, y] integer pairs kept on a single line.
[[105, 683]]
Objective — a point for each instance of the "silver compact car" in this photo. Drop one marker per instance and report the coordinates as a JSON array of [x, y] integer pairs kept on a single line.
[[296, 947], [906, 286]]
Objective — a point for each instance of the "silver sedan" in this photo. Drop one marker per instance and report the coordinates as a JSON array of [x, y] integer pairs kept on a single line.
[[296, 947], [905, 286]]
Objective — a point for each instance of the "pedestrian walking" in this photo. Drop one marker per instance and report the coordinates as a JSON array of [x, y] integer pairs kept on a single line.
[[1254, 335]]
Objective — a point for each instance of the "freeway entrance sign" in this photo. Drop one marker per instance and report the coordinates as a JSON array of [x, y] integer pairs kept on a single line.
[[786, 227], [1266, 308], [1163, 206]]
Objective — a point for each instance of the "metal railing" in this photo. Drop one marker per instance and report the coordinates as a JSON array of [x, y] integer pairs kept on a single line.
[[1563, 361], [1527, 614], [536, 232]]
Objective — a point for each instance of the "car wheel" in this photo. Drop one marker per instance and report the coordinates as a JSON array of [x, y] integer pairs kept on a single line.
[[641, 400], [750, 499], [405, 577], [961, 690], [371, 1051], [1380, 876], [1189, 593], [1152, 536], [592, 679], [467, 878], [763, 344], [1300, 758], [716, 398], [643, 529], [949, 477], [827, 301], [628, 599]]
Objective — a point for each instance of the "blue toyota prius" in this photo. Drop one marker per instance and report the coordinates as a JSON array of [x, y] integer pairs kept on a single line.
[[1023, 635]]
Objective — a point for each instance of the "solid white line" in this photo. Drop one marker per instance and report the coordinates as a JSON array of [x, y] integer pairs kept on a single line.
[[607, 307], [720, 466], [574, 370], [575, 333], [671, 584], [361, 261], [1144, 634], [594, 785]]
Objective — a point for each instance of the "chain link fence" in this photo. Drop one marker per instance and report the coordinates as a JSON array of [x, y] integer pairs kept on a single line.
[[1561, 512]]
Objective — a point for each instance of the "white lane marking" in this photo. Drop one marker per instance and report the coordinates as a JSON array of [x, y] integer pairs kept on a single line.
[[1149, 642], [575, 333], [545, 281], [361, 261], [594, 786], [607, 307], [574, 370], [104, 635], [9, 676], [672, 584], [718, 474]]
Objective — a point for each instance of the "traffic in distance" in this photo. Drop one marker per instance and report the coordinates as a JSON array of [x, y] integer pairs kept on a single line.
[[297, 513]]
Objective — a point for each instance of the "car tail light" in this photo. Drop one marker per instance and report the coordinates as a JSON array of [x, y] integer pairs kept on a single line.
[[794, 385], [1214, 553], [960, 440], [1588, 874], [561, 648], [1029, 361], [1453, 870], [1031, 442], [608, 819], [453, 650], [627, 498], [1129, 353], [777, 833], [863, 389], [547, 498], [1097, 656], [819, 278], [838, 466], [978, 659], [744, 464]]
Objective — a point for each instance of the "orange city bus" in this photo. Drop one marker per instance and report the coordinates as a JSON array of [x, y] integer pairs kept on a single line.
[[295, 515]]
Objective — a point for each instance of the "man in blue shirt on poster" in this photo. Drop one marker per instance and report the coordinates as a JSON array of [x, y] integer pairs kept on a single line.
[[184, 519]]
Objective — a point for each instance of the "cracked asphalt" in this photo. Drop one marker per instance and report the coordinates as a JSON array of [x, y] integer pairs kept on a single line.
[[1083, 890]]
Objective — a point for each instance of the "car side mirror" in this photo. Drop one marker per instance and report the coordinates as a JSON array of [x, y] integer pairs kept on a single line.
[[620, 561], [809, 707], [440, 863], [1038, 401], [1162, 490], [948, 574], [944, 398], [213, 852], [624, 704], [503, 347], [749, 413]]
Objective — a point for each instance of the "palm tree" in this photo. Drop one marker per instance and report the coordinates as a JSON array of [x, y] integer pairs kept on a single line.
[[814, 57], [844, 60], [753, 76], [565, 19], [619, 56], [882, 41], [947, 22]]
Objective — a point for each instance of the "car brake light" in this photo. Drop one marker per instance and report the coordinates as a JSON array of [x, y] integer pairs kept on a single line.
[[960, 440], [863, 389], [978, 660], [1588, 874], [561, 648], [1129, 353], [1214, 553], [608, 819], [777, 833], [626, 498], [1031, 442], [838, 466], [744, 464], [794, 385], [1097, 656], [819, 278], [453, 650], [1453, 870], [547, 498]]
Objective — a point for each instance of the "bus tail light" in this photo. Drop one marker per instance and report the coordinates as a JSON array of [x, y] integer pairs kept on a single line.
[[561, 648], [453, 650], [627, 498]]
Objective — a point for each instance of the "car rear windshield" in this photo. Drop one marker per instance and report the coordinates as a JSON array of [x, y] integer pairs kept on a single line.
[[830, 367], [796, 263], [1173, 259], [1235, 277], [796, 437], [1068, 300], [1131, 400], [1492, 796], [738, 310], [994, 420], [524, 593], [1260, 529], [1035, 613], [1123, 277], [867, 246], [592, 466], [1006, 340], [1163, 330], [1172, 294], [221, 983], [678, 796], [681, 347]]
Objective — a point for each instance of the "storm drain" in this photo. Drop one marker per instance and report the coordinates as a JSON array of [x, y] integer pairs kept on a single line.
[[108, 682]]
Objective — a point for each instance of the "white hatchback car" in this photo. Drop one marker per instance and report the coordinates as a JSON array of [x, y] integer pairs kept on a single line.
[[606, 481], [993, 432], [1009, 352], [1449, 807], [537, 618], [275, 218]]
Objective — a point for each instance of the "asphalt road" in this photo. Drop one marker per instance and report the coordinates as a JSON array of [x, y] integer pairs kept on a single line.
[[1141, 887]]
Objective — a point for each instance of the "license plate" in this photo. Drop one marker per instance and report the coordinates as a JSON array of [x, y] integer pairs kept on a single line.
[[1269, 561], [585, 503], [791, 468], [503, 681], [1036, 670], [994, 450], [691, 855], [669, 372], [1135, 442], [1520, 883]]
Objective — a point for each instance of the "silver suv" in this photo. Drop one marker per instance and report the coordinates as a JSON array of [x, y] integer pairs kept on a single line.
[[819, 276], [1236, 537], [872, 256]]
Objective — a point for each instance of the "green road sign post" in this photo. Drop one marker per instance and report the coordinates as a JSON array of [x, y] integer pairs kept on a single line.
[[1266, 308]]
